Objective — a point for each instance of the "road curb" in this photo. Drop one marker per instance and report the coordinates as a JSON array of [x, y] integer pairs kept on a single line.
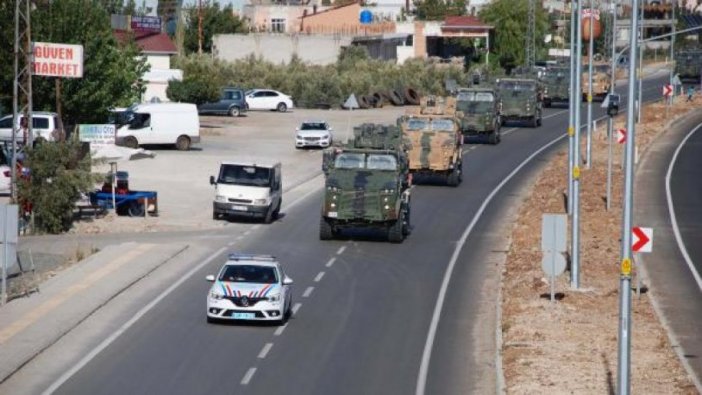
[[28, 340]]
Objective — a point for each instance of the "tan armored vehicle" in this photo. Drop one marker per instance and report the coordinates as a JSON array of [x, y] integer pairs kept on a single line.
[[433, 138], [600, 81]]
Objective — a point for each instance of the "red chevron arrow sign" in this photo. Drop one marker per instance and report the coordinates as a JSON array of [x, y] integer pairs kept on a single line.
[[667, 90], [641, 239], [621, 136]]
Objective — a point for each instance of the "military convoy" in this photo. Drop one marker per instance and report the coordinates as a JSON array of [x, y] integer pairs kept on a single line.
[[601, 81], [520, 99], [433, 138], [688, 64], [478, 113], [556, 84], [367, 184]]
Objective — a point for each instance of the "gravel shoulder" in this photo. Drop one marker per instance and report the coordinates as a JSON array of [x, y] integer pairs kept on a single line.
[[571, 346]]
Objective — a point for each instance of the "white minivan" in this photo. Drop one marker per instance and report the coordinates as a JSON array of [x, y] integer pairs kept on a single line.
[[45, 125], [160, 123], [248, 188]]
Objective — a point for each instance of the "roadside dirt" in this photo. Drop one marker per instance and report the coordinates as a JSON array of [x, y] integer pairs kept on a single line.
[[570, 346]]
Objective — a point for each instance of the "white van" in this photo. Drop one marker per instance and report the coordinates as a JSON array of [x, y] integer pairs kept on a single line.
[[45, 126], [248, 188], [160, 123]]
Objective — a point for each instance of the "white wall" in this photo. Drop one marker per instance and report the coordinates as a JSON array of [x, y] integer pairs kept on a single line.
[[279, 48], [159, 61]]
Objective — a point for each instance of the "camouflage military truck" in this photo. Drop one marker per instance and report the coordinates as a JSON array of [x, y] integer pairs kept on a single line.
[[556, 84], [688, 64], [479, 114], [367, 184], [601, 73], [433, 137], [520, 100]]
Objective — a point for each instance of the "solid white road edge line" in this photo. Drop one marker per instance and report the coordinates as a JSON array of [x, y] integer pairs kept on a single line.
[[428, 346], [248, 376], [671, 209], [265, 350], [105, 343]]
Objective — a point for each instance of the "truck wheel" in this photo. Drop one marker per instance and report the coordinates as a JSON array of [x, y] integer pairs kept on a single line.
[[539, 120], [326, 231], [268, 218], [183, 143], [234, 111], [547, 103], [276, 212], [131, 142], [453, 178], [493, 139], [396, 231], [535, 121], [215, 216], [406, 227]]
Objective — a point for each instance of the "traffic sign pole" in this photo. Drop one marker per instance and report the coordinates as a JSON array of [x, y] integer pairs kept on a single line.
[[571, 107], [590, 53], [610, 120], [624, 338]]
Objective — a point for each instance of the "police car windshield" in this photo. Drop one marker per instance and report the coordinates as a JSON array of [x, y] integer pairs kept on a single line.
[[244, 175], [249, 274]]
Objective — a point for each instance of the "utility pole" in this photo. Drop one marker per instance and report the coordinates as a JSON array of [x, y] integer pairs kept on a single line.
[[641, 51], [530, 57], [575, 228], [672, 49], [199, 27], [22, 86], [572, 102], [590, 53], [624, 338], [610, 121]]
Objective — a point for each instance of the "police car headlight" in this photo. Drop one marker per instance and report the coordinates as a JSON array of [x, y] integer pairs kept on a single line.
[[221, 198], [274, 298], [216, 295], [260, 202]]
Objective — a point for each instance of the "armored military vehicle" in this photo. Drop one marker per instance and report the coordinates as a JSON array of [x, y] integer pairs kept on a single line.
[[601, 73], [520, 100], [556, 83], [434, 139], [688, 64], [479, 113], [367, 184]]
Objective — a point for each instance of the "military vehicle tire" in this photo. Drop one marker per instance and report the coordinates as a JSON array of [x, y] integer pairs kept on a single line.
[[547, 103], [326, 231], [539, 120], [454, 178], [534, 121], [494, 137], [396, 231]]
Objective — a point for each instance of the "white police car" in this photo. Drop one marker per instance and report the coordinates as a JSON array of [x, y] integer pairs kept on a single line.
[[250, 287]]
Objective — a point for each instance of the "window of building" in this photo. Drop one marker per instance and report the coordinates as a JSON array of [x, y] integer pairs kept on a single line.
[[278, 25]]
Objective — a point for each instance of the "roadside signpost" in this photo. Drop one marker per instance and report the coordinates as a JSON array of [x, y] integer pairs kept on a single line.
[[668, 90], [621, 136], [553, 245], [642, 239]]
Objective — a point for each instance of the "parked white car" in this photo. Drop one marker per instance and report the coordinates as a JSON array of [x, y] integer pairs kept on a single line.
[[43, 126], [250, 287], [313, 134], [266, 99]]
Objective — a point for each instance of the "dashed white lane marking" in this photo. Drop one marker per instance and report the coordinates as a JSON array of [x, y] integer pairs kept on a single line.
[[248, 376], [231, 243], [341, 250], [319, 277], [280, 330], [331, 262], [296, 307], [255, 227], [265, 350], [308, 292]]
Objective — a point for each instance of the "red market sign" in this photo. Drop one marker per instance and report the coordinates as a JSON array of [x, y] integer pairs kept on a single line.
[[57, 60]]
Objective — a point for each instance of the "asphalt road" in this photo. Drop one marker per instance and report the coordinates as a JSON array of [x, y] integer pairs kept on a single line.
[[363, 306], [668, 198]]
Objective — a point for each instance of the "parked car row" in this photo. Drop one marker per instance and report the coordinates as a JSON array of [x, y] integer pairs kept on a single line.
[[234, 102]]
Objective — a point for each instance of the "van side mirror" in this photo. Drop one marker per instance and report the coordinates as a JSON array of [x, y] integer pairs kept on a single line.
[[212, 180]]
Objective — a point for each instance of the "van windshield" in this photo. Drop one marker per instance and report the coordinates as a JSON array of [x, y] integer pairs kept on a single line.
[[245, 175]]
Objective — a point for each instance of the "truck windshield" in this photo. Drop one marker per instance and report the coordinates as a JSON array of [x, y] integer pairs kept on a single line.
[[381, 162], [348, 160], [245, 175], [473, 107], [517, 86], [442, 125]]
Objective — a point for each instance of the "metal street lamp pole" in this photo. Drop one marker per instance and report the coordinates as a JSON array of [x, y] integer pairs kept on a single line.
[[624, 338], [575, 228], [571, 106], [641, 51], [590, 53], [610, 121]]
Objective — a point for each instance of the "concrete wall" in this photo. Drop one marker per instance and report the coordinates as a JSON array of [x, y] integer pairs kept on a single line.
[[279, 48], [159, 61]]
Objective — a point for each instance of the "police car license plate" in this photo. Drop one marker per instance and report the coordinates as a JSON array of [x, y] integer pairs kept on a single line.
[[244, 316], [239, 208]]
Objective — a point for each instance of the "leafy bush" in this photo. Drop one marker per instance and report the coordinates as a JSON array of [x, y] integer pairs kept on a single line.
[[313, 85], [58, 175]]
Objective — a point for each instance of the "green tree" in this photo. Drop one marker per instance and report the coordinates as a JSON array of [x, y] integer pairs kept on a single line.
[[435, 10], [509, 17], [215, 20], [58, 176], [111, 72]]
